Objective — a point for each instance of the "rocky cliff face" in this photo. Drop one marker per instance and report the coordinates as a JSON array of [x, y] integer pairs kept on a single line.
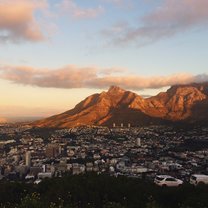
[[186, 103], [177, 102]]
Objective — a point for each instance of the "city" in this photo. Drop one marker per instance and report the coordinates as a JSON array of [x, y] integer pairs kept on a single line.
[[32, 154]]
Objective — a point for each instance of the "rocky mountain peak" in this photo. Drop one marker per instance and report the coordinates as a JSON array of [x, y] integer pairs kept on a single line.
[[203, 87], [115, 90]]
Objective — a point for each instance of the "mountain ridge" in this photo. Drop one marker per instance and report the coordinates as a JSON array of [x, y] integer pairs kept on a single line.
[[178, 103]]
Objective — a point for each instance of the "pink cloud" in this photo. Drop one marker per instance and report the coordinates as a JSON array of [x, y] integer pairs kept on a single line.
[[17, 20], [72, 76]]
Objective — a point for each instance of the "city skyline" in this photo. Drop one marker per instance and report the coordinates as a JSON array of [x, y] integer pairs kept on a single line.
[[55, 53]]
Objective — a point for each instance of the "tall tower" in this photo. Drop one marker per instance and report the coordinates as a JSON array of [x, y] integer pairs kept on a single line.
[[28, 159]]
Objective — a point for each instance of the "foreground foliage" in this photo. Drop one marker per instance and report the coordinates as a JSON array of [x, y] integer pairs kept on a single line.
[[93, 191]]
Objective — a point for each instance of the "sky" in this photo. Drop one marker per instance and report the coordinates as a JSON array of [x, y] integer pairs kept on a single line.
[[54, 53]]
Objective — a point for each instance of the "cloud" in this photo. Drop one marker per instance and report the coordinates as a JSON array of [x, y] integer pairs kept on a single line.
[[17, 20], [66, 77], [171, 18], [72, 76], [154, 82], [70, 8]]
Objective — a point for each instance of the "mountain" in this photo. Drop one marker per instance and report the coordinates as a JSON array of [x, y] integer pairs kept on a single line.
[[186, 103]]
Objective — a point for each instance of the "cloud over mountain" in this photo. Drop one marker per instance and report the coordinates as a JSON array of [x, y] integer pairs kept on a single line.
[[73, 76]]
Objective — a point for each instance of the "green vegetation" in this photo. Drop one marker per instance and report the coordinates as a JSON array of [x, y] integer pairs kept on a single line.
[[100, 191]]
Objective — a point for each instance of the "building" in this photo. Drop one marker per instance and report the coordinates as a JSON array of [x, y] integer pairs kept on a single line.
[[28, 159], [138, 142]]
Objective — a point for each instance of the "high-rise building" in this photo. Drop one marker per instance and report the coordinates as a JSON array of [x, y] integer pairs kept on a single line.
[[28, 158]]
